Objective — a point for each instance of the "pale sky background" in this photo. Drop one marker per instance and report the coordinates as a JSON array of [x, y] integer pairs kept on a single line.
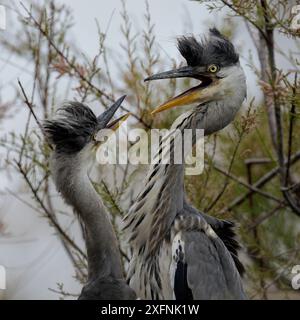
[[33, 256]]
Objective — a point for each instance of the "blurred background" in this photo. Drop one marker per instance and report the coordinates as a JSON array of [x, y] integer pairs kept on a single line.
[[96, 51]]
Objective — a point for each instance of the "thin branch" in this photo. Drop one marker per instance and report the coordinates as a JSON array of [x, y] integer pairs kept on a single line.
[[49, 214], [222, 191], [233, 8], [96, 90], [291, 126], [260, 183], [247, 185], [29, 105], [265, 217]]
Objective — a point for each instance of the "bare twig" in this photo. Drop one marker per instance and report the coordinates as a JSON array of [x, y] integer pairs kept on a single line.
[[260, 183], [247, 185], [235, 9], [261, 219], [49, 214], [291, 126], [73, 66], [30, 106]]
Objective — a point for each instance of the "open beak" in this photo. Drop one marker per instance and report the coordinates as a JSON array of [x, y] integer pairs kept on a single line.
[[114, 125], [201, 93], [104, 120], [106, 116]]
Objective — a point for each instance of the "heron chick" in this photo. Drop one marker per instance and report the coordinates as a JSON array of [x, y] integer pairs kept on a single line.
[[178, 251], [73, 133]]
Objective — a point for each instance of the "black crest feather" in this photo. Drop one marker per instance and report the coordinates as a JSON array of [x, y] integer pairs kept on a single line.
[[72, 128], [215, 49], [225, 230]]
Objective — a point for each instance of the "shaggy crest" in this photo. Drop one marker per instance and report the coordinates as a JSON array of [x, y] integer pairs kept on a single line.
[[217, 49], [72, 128]]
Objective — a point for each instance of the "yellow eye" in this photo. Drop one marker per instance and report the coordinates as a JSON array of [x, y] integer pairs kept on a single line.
[[213, 68]]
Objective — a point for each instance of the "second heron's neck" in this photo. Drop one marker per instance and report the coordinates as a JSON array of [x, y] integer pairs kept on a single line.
[[72, 181]]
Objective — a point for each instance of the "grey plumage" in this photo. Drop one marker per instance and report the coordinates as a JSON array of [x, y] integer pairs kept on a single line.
[[179, 252], [207, 282], [72, 134], [73, 128], [225, 231]]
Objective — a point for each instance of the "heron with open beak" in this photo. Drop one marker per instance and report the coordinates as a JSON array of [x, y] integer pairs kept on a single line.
[[74, 134], [178, 251]]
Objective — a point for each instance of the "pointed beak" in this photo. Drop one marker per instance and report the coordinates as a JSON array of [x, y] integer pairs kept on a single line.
[[184, 72], [114, 125], [106, 116], [201, 93], [104, 120]]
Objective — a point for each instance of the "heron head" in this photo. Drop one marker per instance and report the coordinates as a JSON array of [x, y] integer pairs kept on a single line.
[[75, 126], [213, 61]]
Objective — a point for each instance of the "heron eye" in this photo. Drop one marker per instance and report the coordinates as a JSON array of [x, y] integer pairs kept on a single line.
[[213, 68]]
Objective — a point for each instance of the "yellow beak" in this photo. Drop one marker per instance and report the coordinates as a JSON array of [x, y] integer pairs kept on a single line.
[[181, 100], [195, 95], [200, 94], [115, 125]]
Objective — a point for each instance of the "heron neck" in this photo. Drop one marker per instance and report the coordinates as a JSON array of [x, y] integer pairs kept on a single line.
[[172, 173], [158, 203], [71, 179]]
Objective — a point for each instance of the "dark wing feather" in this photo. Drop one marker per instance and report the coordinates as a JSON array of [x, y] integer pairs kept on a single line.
[[182, 290], [225, 231]]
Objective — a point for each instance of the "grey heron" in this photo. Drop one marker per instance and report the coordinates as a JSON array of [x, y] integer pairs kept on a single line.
[[73, 133], [178, 251]]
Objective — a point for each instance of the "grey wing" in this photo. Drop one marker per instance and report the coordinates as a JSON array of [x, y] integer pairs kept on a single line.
[[209, 270], [225, 231]]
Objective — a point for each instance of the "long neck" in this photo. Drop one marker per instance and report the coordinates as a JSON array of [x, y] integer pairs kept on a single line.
[[163, 196], [71, 179]]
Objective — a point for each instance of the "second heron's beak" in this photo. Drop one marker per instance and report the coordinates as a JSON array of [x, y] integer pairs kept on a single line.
[[114, 125], [201, 93], [107, 115], [104, 120]]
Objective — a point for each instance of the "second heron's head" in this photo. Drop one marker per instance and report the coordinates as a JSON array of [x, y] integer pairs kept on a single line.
[[75, 127], [215, 63]]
